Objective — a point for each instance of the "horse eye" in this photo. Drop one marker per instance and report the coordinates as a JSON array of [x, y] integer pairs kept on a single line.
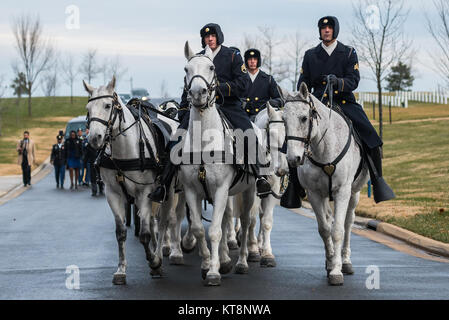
[[212, 68], [108, 106], [303, 119], [185, 69]]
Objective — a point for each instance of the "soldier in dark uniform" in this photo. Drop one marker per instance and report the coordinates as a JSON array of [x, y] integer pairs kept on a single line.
[[339, 62], [232, 85], [58, 159], [262, 87], [96, 183]]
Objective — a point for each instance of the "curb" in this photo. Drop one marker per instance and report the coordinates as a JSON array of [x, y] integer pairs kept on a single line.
[[414, 239], [40, 172]]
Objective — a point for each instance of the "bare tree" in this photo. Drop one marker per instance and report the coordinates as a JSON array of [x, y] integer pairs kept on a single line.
[[116, 68], [69, 72], [34, 51], [2, 92], [249, 42], [297, 47], [88, 67], [379, 39], [439, 30], [50, 82], [269, 42]]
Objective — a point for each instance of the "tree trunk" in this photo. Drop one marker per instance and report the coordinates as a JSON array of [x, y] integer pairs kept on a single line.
[[379, 95], [29, 104], [71, 93]]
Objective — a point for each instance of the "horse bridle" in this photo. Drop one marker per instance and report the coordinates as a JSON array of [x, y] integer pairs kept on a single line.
[[211, 87], [268, 136], [313, 114]]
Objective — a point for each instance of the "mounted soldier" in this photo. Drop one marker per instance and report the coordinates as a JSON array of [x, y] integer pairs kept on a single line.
[[232, 85], [262, 87], [332, 64]]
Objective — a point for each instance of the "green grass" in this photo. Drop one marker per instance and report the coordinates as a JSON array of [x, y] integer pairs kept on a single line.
[[434, 225], [14, 119]]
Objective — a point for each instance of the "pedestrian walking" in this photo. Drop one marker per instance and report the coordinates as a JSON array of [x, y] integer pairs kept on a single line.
[[73, 149], [25, 149], [59, 160]]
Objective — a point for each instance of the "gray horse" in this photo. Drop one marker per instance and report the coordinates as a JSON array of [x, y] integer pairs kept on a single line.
[[330, 166]]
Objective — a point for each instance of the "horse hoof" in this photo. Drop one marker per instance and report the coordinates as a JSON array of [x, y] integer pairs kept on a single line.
[[155, 266], [204, 273], [335, 279], [212, 280], [346, 268], [119, 279], [233, 245], [166, 251], [176, 260], [241, 269], [225, 267], [157, 273], [267, 262], [253, 257], [186, 250]]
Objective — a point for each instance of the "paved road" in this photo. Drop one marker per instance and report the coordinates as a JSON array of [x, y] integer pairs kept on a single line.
[[45, 230]]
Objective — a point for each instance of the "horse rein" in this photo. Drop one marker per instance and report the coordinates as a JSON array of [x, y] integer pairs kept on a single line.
[[211, 87]]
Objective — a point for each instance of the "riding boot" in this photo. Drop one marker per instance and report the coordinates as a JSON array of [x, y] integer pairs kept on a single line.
[[382, 191], [160, 194], [291, 198], [262, 185]]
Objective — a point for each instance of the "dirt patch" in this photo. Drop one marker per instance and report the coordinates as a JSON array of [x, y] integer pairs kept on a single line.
[[388, 208]]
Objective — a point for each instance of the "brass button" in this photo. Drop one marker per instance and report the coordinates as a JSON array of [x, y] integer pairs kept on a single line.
[[257, 110], [343, 101], [256, 98], [247, 99], [216, 97], [324, 82], [336, 91], [247, 110], [325, 95]]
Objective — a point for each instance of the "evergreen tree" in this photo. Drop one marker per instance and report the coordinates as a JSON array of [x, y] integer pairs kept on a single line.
[[400, 78]]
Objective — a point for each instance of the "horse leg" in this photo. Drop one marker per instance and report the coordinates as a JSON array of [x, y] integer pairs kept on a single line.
[[242, 265], [118, 209], [324, 228], [188, 242], [346, 251], [231, 234], [147, 231], [341, 201], [176, 217], [197, 228], [266, 224], [225, 260], [213, 277], [253, 243]]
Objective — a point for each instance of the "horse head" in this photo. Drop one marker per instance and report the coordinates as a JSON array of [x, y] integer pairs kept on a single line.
[[276, 138], [299, 114], [100, 108], [200, 78]]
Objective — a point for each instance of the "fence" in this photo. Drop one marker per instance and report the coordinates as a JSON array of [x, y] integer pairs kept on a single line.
[[401, 98], [396, 101]]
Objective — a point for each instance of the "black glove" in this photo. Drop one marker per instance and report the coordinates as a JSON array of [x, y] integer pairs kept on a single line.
[[337, 83]]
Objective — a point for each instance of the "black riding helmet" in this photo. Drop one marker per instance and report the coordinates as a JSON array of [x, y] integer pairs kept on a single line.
[[252, 53], [329, 21], [211, 28]]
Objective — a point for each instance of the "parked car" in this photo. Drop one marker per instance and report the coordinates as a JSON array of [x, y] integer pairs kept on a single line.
[[75, 124], [140, 93]]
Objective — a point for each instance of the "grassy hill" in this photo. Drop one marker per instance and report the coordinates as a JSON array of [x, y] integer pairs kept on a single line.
[[49, 115]]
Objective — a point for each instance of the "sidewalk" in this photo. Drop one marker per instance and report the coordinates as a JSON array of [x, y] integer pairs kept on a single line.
[[12, 186]]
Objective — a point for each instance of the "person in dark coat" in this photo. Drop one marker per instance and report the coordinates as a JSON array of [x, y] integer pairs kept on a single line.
[[332, 61], [59, 160], [232, 85], [262, 87], [95, 180], [74, 154]]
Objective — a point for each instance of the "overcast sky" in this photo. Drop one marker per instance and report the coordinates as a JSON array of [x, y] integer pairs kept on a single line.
[[149, 35]]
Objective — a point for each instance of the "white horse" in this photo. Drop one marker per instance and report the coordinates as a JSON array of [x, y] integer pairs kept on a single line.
[[259, 248], [217, 177], [112, 125], [330, 166]]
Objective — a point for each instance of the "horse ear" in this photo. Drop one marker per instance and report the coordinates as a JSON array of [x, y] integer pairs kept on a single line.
[[111, 84], [208, 52], [303, 90], [270, 110], [88, 87], [283, 93], [188, 53]]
